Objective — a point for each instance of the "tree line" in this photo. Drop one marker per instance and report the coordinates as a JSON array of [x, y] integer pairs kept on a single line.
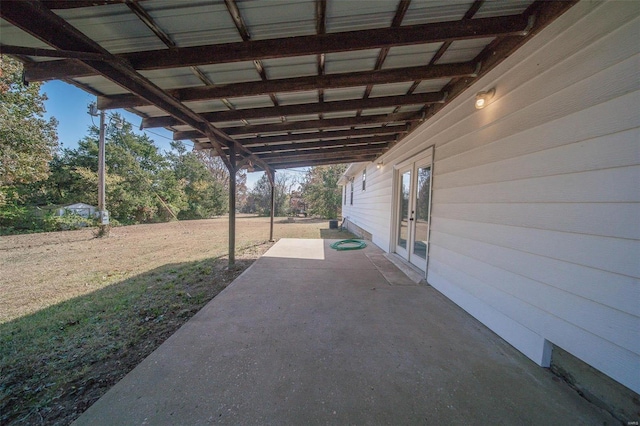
[[143, 184]]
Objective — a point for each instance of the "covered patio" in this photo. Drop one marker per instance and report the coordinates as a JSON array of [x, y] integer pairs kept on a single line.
[[271, 85], [309, 335]]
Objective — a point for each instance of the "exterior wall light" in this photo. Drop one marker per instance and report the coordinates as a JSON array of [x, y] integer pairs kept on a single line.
[[483, 98], [379, 164]]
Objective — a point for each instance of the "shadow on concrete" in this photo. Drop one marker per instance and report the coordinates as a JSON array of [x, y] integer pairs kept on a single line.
[[308, 335]]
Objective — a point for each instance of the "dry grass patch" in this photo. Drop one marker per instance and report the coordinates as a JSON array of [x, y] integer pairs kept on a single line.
[[78, 313]]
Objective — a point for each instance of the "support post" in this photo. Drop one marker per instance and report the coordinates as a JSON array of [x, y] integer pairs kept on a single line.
[[232, 205], [273, 202], [102, 213]]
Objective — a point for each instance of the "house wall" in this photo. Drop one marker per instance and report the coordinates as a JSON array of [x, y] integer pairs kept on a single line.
[[535, 222]]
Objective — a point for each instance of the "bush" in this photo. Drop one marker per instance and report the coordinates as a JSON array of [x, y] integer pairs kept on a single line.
[[24, 220]]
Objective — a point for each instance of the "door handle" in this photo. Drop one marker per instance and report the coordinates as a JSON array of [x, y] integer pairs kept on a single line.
[[411, 218]]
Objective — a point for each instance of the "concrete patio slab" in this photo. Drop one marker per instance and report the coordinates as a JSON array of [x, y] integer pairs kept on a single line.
[[309, 335]]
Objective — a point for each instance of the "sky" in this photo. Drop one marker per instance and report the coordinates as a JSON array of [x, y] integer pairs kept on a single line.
[[69, 105]]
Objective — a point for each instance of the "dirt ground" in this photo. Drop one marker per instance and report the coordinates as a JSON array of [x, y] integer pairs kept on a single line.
[[77, 313], [40, 270]]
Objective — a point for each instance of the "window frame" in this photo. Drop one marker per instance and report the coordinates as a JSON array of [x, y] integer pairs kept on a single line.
[[351, 200], [364, 179]]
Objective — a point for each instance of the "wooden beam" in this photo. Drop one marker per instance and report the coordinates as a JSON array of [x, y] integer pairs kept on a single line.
[[297, 84], [297, 46], [325, 153], [327, 161], [401, 10], [56, 32], [323, 134], [74, 4], [236, 16], [49, 53], [311, 124], [393, 131], [321, 28], [149, 22], [468, 15], [540, 14], [142, 14], [374, 140], [302, 109], [443, 48]]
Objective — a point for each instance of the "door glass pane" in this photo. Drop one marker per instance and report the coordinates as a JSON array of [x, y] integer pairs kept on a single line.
[[422, 212], [403, 224]]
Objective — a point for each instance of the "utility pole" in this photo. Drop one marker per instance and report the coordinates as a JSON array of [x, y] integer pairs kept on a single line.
[[103, 214]]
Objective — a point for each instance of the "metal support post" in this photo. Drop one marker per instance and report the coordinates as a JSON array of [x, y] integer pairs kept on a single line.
[[232, 205], [273, 203]]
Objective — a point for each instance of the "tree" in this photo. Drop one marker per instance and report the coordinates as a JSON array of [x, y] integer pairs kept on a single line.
[[27, 140], [141, 186], [260, 196], [321, 192], [205, 194]]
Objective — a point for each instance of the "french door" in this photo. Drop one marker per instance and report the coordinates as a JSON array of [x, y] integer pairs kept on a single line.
[[413, 211]]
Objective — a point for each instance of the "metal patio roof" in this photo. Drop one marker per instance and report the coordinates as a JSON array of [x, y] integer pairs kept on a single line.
[[273, 83]]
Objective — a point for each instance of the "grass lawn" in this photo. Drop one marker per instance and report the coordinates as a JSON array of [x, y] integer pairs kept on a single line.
[[77, 313]]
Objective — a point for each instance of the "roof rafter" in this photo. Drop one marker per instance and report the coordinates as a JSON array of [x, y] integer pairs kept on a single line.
[[325, 153], [540, 14], [321, 16], [301, 109], [297, 84], [344, 135], [325, 162], [468, 15], [310, 124], [236, 16], [373, 140], [142, 14], [56, 32], [73, 4], [294, 46], [401, 10]]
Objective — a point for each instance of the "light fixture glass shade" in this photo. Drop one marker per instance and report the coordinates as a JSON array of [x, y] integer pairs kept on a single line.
[[483, 98]]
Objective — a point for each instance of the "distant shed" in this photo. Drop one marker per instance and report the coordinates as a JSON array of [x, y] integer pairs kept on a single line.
[[81, 209]]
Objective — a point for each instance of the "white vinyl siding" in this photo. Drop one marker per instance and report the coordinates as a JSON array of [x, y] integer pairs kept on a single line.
[[536, 198]]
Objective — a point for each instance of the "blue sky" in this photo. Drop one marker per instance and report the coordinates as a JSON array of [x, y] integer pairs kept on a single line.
[[68, 105]]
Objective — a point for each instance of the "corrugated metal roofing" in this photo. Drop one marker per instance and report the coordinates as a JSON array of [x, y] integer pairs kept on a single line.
[[183, 21], [502, 8], [234, 72], [291, 67], [293, 98], [464, 50], [343, 94], [278, 18], [410, 56], [421, 12], [175, 78], [114, 27], [361, 60], [347, 16], [365, 89], [392, 89]]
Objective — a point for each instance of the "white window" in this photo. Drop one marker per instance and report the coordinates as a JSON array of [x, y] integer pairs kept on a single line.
[[351, 191], [364, 179]]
